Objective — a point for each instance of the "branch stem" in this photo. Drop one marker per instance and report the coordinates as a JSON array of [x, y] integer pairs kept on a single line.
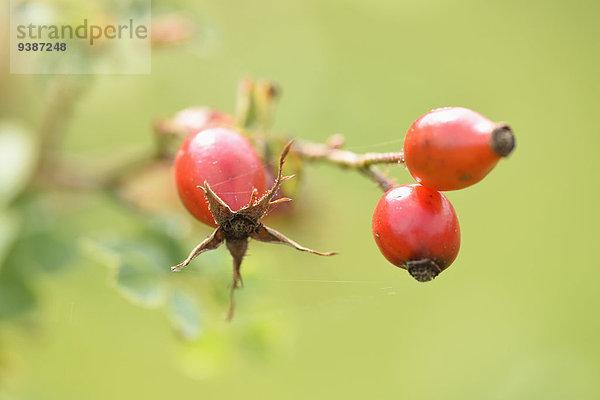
[[364, 163], [63, 96], [378, 177]]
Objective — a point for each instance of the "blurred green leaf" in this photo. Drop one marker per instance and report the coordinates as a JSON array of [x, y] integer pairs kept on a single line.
[[139, 283], [163, 232], [16, 295], [31, 241], [17, 160], [43, 252], [9, 223], [264, 98], [140, 269], [45, 242], [184, 314]]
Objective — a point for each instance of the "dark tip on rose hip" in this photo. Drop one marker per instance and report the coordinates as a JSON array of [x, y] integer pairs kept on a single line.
[[423, 270], [503, 140]]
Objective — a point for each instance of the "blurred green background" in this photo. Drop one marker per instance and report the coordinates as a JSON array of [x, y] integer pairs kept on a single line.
[[515, 317]]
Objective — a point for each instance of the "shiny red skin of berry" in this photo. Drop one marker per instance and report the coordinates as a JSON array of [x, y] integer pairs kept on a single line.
[[413, 223], [451, 148], [194, 119], [227, 161]]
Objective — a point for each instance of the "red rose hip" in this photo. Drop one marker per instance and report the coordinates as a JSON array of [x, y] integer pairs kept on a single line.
[[453, 147], [416, 228], [227, 161]]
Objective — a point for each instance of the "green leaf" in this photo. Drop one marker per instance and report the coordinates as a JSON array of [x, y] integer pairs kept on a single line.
[[139, 269], [9, 226], [43, 252], [16, 296], [184, 314], [45, 239], [18, 154], [139, 285]]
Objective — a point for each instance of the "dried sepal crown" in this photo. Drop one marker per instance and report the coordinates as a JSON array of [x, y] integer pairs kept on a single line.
[[236, 227]]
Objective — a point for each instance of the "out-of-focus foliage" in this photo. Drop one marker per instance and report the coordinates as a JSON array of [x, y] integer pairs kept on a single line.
[[138, 270], [17, 161], [89, 308]]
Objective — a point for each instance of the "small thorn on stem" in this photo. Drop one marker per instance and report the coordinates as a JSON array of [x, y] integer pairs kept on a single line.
[[336, 141]]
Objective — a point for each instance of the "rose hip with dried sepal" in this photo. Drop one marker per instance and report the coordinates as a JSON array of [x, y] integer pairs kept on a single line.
[[227, 161], [215, 153], [416, 228], [453, 147]]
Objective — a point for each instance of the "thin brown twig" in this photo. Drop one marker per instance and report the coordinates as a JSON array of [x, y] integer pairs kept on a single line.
[[62, 99], [364, 163], [378, 177]]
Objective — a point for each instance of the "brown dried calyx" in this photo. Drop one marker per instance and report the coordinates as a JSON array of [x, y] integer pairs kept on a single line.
[[423, 270], [503, 140], [235, 228]]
